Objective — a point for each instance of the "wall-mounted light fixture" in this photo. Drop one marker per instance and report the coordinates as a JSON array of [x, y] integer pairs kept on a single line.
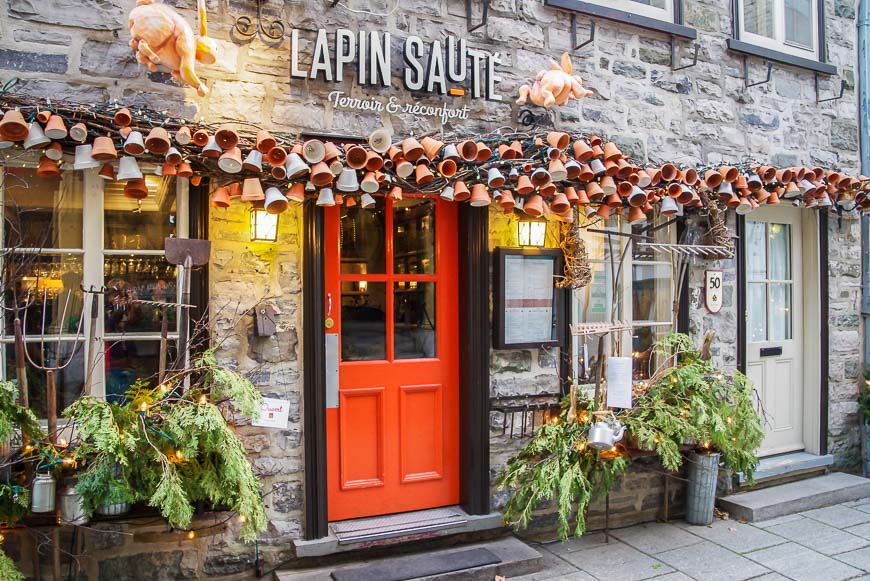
[[531, 232], [264, 226]]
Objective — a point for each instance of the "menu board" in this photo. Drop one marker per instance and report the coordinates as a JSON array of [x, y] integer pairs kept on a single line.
[[527, 298]]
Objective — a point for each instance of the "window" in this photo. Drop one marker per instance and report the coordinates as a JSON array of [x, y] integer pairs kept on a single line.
[[657, 9], [769, 281], [643, 294], [659, 15], [789, 26], [81, 232]]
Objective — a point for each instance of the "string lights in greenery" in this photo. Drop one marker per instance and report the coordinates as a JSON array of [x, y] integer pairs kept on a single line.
[[688, 400], [172, 447]]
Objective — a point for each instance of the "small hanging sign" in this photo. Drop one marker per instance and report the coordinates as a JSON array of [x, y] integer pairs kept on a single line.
[[273, 413], [619, 383], [713, 290]]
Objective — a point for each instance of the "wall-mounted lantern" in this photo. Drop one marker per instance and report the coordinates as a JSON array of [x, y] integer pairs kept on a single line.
[[531, 232], [264, 226]]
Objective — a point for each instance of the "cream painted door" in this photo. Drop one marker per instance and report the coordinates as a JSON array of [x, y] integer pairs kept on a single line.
[[774, 326]]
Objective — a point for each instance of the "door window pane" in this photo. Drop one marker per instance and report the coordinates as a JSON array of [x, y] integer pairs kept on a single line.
[[130, 361], [363, 244], [642, 341], [130, 279], [799, 22], [364, 321], [139, 224], [69, 381], [756, 301], [414, 306], [651, 292], [756, 250], [780, 251], [758, 17], [42, 213], [780, 311], [49, 282], [654, 3], [414, 236]]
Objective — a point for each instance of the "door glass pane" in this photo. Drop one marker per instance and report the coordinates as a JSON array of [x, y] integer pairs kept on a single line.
[[363, 244], [658, 234], [414, 236], [651, 292], [132, 279], [799, 22], [42, 213], [756, 250], [780, 311], [642, 341], [758, 17], [130, 361], [414, 306], [69, 381], [51, 281], [780, 251], [363, 321], [139, 224], [756, 302]]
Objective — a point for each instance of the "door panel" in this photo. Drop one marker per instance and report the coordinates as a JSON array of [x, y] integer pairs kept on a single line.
[[391, 278], [774, 326], [362, 455]]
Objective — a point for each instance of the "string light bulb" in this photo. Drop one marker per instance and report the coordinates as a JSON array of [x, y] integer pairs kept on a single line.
[[162, 388], [67, 461], [2, 538], [581, 446], [191, 535], [729, 419], [143, 407], [179, 455], [28, 448], [243, 518], [203, 400]]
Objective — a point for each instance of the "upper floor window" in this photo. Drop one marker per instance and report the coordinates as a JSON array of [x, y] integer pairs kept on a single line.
[[789, 26], [658, 9]]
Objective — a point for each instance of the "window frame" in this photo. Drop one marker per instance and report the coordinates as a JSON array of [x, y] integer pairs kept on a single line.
[[625, 12], [779, 43], [625, 303], [94, 255]]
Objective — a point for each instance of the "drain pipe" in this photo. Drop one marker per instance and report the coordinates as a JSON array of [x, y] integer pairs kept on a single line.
[[864, 132]]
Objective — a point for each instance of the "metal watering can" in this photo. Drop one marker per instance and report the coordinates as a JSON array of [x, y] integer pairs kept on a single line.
[[605, 433]]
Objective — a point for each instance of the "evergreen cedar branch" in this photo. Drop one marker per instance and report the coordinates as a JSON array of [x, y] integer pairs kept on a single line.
[[178, 451], [691, 401]]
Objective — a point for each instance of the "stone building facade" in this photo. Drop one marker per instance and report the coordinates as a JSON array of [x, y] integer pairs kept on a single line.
[[78, 51]]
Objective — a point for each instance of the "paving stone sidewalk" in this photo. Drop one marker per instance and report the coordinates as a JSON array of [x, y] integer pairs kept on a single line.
[[824, 544]]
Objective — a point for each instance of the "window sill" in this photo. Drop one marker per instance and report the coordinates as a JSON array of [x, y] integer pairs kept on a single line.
[[677, 30], [742, 47]]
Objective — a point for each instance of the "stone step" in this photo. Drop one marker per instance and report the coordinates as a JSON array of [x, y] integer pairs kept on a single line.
[[510, 557], [767, 503], [788, 465]]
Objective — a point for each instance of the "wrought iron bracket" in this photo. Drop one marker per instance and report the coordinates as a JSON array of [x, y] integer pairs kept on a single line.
[[675, 57], [273, 31], [825, 100], [746, 73], [574, 44], [546, 118], [469, 16]]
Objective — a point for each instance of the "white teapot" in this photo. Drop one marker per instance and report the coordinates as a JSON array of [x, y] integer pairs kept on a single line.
[[604, 434]]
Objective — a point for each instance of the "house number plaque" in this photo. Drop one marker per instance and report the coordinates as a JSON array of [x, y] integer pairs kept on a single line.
[[713, 290]]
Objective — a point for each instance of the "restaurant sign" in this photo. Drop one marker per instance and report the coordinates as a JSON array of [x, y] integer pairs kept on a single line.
[[438, 67]]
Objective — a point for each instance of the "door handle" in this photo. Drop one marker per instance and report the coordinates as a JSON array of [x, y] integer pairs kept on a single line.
[[331, 370], [769, 351], [328, 304]]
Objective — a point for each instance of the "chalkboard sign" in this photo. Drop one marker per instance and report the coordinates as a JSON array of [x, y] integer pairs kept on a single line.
[[527, 303]]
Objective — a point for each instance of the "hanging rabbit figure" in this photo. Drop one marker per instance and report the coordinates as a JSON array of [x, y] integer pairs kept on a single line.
[[556, 86], [162, 37]]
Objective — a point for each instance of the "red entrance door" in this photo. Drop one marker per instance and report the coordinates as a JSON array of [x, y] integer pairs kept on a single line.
[[391, 284]]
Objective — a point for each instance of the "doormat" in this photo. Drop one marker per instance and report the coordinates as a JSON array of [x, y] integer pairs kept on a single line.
[[416, 566]]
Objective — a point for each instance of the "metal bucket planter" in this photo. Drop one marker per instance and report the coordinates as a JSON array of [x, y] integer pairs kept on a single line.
[[115, 509], [701, 493]]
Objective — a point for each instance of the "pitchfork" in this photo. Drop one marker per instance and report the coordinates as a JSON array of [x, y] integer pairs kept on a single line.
[[51, 370]]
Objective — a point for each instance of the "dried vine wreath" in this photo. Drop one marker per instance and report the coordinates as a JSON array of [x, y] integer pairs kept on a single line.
[[577, 271]]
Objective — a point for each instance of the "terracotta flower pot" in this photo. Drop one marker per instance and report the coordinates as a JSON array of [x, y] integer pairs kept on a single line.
[[13, 126], [252, 190], [104, 149], [507, 202], [447, 168], [713, 178], [669, 172], [220, 198], [729, 173], [460, 191], [525, 185], [611, 152], [321, 175], [374, 162], [122, 117], [467, 150], [432, 147], [157, 141], [355, 157], [479, 196], [48, 168], [534, 206], [226, 137], [265, 141], [396, 193], [411, 149], [558, 139], [560, 203], [483, 152], [136, 189], [608, 185], [184, 170], [277, 155], [200, 137], [422, 174], [582, 151], [586, 174], [183, 135], [55, 128]]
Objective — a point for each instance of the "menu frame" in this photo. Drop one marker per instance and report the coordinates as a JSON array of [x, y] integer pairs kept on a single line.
[[552, 257]]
